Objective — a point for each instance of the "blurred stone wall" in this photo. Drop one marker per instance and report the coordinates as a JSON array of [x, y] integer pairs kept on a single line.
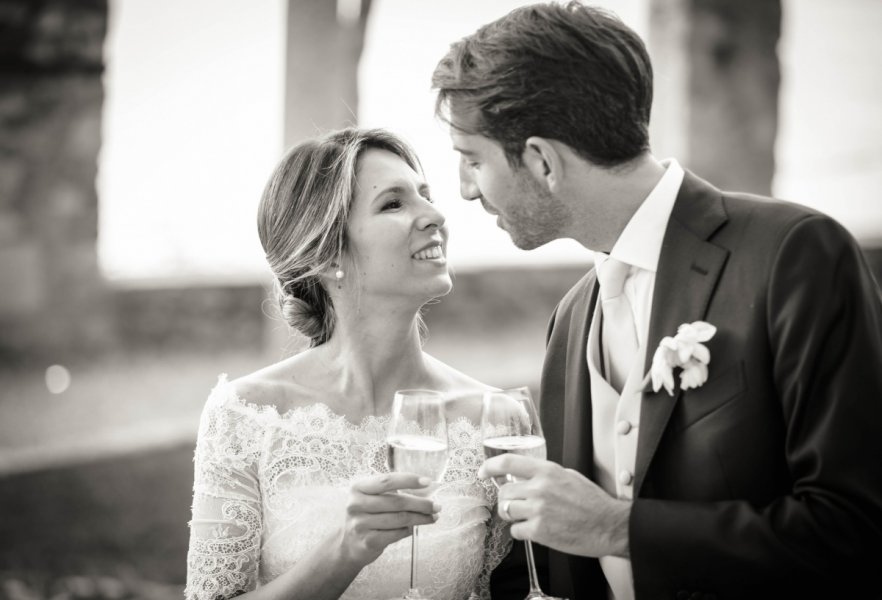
[[717, 78], [54, 303], [204, 319], [51, 96]]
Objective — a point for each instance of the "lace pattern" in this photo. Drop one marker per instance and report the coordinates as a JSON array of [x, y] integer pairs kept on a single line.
[[269, 487]]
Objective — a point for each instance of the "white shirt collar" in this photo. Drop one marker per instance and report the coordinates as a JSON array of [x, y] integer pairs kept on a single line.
[[640, 242]]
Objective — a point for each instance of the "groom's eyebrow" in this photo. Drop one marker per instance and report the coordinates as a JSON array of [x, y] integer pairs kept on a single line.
[[463, 151]]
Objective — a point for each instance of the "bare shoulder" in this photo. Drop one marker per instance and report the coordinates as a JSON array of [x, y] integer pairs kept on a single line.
[[283, 385], [464, 393]]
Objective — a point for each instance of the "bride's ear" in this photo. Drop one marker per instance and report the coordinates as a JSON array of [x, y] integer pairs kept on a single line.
[[544, 162]]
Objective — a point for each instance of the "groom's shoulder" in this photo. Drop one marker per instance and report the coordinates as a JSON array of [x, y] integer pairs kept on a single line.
[[578, 292], [761, 217], [744, 209], [766, 210]]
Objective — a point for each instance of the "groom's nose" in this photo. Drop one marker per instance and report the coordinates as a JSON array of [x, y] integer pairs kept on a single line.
[[468, 189]]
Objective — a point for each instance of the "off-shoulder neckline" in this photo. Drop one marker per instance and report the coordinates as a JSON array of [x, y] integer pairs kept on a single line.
[[226, 392], [225, 395]]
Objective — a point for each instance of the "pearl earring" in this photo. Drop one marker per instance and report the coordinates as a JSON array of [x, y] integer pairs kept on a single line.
[[339, 274]]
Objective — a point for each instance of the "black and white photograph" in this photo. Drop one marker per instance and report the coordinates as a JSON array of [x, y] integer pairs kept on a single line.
[[424, 300]]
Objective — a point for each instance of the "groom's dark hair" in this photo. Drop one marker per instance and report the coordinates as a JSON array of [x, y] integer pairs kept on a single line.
[[571, 73]]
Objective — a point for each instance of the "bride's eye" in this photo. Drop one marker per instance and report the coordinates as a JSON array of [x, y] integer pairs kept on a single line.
[[392, 204]]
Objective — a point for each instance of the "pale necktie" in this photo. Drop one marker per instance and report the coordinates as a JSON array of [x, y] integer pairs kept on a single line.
[[618, 331]]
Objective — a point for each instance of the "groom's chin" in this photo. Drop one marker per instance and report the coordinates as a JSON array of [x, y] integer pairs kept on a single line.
[[526, 242]]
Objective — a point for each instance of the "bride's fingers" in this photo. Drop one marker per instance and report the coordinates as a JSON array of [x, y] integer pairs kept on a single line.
[[381, 539], [389, 482], [381, 503], [395, 520]]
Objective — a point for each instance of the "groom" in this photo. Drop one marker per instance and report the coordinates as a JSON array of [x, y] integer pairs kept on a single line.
[[712, 389]]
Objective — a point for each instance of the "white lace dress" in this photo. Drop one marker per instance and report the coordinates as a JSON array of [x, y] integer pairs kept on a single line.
[[269, 487]]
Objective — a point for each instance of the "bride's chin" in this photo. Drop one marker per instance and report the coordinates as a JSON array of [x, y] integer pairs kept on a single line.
[[445, 284], [440, 286]]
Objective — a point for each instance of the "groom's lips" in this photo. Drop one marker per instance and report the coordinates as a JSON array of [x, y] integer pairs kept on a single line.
[[488, 208]]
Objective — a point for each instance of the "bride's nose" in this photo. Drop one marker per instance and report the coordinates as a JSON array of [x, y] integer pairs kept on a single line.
[[430, 216]]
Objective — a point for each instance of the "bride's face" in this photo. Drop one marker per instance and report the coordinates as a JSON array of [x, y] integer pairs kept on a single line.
[[397, 237]]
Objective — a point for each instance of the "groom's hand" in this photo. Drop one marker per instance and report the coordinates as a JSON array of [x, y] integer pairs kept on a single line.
[[559, 508]]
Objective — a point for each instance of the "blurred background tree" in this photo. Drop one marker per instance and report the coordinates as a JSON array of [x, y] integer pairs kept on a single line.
[[103, 376]]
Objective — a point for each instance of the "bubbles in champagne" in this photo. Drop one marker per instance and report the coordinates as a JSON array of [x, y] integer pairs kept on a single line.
[[423, 455], [525, 445]]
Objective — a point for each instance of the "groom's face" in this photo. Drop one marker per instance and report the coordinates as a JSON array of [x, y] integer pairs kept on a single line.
[[523, 207]]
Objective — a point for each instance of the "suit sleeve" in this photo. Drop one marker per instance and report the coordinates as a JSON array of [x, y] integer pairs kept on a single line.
[[824, 323]]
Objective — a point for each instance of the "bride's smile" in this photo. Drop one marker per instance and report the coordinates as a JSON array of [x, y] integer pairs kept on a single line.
[[397, 235], [434, 252]]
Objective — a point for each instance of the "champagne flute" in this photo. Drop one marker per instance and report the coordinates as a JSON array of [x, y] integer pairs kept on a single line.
[[417, 443], [510, 424]]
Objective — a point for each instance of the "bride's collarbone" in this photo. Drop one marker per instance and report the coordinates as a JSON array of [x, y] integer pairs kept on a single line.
[[305, 380]]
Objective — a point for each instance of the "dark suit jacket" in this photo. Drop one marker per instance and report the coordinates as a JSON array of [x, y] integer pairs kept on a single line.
[[767, 480]]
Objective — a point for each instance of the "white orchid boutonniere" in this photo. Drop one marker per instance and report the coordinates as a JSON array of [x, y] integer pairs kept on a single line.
[[685, 350]]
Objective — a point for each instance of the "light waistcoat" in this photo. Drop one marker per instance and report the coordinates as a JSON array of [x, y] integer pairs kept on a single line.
[[616, 417], [615, 424]]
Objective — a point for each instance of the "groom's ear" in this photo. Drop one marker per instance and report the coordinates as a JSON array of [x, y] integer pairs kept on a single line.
[[543, 160]]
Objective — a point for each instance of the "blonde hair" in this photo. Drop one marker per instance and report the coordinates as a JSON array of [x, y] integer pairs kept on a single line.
[[302, 217]]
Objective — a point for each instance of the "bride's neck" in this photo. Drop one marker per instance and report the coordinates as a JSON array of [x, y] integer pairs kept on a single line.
[[372, 355]]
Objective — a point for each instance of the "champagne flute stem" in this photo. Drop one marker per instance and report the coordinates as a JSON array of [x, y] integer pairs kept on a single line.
[[531, 567], [413, 561]]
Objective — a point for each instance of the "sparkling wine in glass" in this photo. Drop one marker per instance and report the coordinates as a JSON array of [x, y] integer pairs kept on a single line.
[[510, 424], [417, 443]]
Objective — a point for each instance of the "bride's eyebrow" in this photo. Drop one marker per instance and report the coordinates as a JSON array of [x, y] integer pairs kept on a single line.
[[400, 188]]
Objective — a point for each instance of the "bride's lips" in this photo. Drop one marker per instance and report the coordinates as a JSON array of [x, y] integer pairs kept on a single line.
[[431, 252]]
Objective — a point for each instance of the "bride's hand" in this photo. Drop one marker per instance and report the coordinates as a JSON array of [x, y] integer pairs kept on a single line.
[[377, 515]]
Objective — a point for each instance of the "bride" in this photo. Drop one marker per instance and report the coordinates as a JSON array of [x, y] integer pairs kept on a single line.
[[292, 495]]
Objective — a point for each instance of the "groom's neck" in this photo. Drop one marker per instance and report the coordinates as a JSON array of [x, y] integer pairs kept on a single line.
[[604, 199]]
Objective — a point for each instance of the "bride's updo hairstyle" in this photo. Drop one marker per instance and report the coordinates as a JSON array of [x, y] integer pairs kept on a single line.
[[302, 220]]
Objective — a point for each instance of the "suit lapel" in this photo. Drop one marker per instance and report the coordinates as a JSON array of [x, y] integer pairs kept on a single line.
[[688, 270], [572, 574], [577, 439]]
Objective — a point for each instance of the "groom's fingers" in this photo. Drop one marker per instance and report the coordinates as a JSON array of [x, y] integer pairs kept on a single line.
[[514, 491], [522, 467], [512, 510]]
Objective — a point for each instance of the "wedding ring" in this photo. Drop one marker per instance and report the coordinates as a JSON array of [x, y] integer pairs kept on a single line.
[[504, 510]]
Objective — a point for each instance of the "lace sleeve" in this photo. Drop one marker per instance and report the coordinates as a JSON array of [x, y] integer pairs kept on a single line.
[[497, 544], [226, 526]]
